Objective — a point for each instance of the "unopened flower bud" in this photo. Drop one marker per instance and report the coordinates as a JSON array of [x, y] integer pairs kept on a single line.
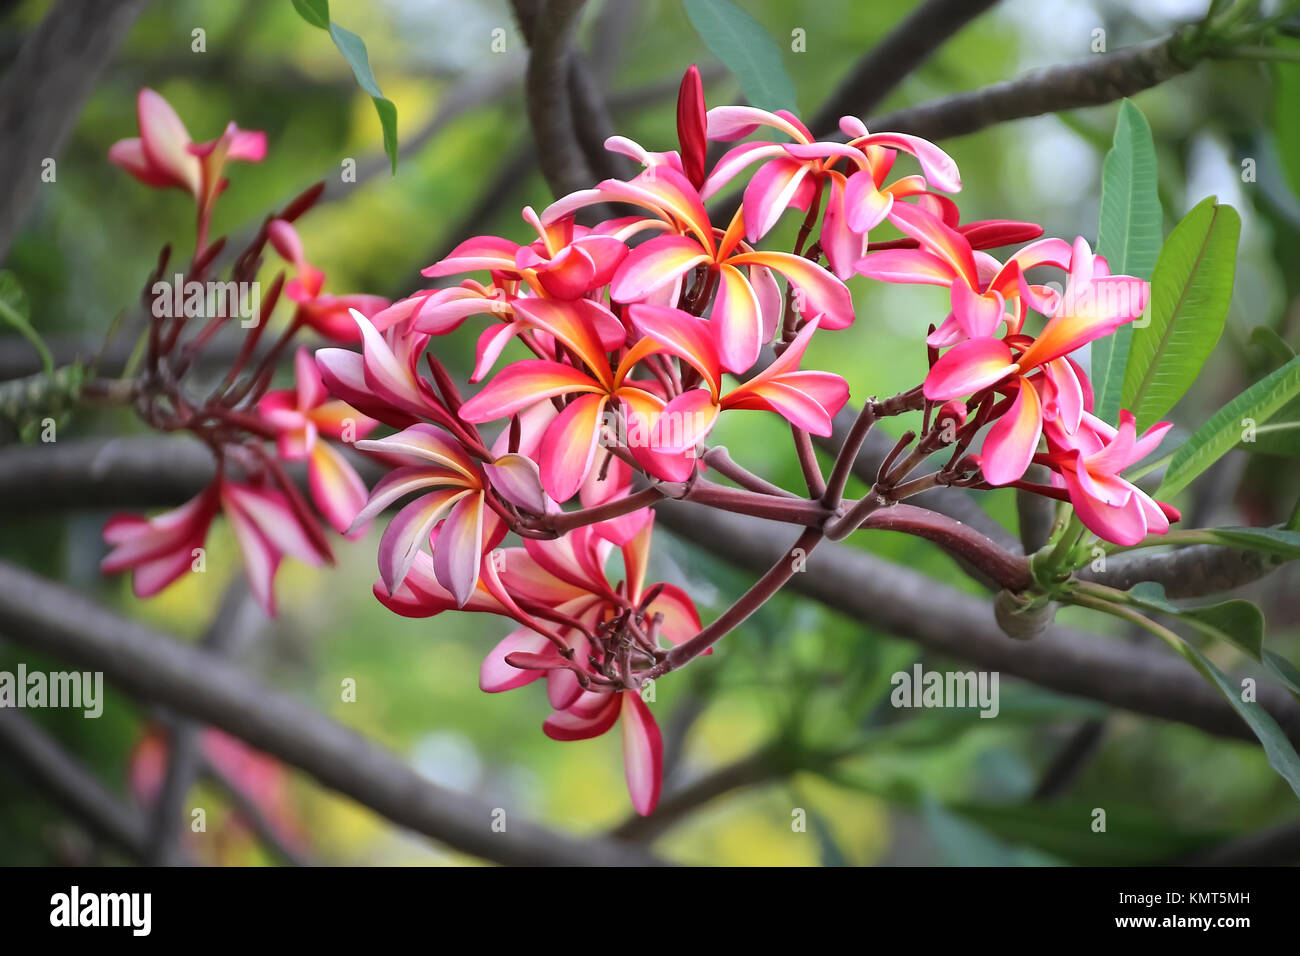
[[953, 411]]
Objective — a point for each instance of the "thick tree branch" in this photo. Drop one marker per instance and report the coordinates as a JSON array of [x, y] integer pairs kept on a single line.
[[44, 90], [72, 786], [1102, 78], [1193, 571], [550, 26], [142, 472], [45, 617], [917, 607], [905, 48]]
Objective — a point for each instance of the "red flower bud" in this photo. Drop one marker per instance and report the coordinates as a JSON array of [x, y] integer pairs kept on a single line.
[[692, 126], [953, 411], [991, 233]]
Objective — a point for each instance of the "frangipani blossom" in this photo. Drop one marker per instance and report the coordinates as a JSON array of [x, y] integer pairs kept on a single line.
[[981, 288], [807, 399], [164, 155], [568, 575], [569, 446], [159, 550], [267, 527], [1088, 462], [305, 416], [451, 486], [747, 307], [795, 173], [1095, 303]]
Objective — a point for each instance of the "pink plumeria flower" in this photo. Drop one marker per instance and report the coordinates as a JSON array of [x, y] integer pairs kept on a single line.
[[159, 550], [383, 380], [304, 417], [451, 487], [807, 399], [748, 304], [1088, 462], [981, 288], [569, 445], [267, 527], [565, 262], [1095, 303], [568, 575], [164, 155], [330, 315], [793, 173]]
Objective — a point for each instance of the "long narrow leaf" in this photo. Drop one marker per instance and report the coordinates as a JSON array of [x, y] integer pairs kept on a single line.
[[1190, 291], [1225, 428], [746, 49], [1128, 236]]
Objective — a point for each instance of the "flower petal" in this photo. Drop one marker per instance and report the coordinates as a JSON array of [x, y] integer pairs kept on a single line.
[[165, 141], [522, 384], [643, 753], [570, 446], [336, 488], [1011, 442], [653, 264], [817, 291], [409, 532], [574, 724], [495, 675], [458, 549], [517, 479], [736, 321], [968, 367]]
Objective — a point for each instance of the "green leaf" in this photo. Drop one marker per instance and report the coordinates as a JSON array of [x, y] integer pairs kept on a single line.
[[353, 48], [746, 49], [1236, 621], [1128, 236], [1191, 287], [354, 51], [15, 311], [315, 12], [1278, 541], [1281, 755], [1224, 429], [388, 120], [1277, 746], [1272, 343], [1286, 106]]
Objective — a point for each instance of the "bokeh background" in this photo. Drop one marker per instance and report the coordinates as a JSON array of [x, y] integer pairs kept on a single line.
[[796, 680]]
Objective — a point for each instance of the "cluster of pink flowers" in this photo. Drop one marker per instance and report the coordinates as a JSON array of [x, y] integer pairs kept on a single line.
[[631, 324], [268, 515]]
